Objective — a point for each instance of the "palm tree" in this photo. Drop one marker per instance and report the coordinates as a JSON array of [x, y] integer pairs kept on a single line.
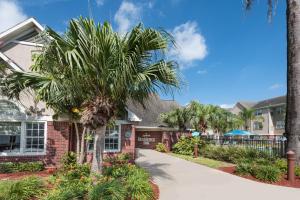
[[199, 115], [102, 68], [247, 115], [178, 117], [292, 127]]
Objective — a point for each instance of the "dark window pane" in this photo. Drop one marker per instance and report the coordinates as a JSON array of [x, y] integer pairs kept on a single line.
[[41, 125], [35, 141], [35, 133], [29, 132], [115, 146], [28, 125], [35, 125]]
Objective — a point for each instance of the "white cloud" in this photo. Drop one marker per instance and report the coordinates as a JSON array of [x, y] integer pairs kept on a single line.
[[226, 106], [10, 14], [202, 71], [127, 16], [191, 44], [100, 2], [275, 86]]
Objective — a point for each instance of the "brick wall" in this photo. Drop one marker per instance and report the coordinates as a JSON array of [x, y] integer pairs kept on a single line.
[[58, 134], [127, 144], [150, 139]]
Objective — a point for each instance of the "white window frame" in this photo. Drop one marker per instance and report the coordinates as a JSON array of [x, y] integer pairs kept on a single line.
[[256, 128], [119, 143], [23, 119], [23, 140], [282, 125], [258, 112]]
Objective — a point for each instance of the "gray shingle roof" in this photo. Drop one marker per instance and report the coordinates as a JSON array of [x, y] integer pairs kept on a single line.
[[270, 102], [154, 106], [247, 104]]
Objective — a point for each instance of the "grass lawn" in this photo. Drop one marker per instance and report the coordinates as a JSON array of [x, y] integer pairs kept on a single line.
[[203, 161]]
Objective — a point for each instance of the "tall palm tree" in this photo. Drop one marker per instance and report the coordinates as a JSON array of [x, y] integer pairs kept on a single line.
[[292, 127], [102, 68], [178, 117], [247, 115]]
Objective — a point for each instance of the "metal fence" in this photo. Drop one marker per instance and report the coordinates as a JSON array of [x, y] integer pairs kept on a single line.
[[275, 146]]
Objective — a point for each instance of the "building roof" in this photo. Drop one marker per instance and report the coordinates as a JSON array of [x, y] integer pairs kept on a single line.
[[150, 114], [270, 102], [247, 104]]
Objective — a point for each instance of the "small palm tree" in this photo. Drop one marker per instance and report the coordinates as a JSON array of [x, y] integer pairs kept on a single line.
[[179, 117], [97, 66], [199, 115]]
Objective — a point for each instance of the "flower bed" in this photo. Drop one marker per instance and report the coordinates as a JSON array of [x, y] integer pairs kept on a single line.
[[258, 165], [282, 182], [120, 180]]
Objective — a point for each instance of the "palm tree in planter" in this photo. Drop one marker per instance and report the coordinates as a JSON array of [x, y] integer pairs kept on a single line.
[[292, 127], [105, 69]]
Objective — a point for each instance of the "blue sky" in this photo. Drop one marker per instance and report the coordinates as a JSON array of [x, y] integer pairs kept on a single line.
[[225, 53]]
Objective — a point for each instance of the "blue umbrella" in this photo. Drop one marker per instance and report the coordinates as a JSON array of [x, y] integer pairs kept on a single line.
[[195, 133], [238, 133]]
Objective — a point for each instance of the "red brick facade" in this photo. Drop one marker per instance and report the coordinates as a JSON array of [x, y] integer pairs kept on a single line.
[[61, 139], [58, 134]]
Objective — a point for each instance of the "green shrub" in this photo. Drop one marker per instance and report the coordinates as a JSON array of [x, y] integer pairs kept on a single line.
[[68, 161], [161, 147], [24, 189], [10, 167], [267, 173], [109, 190], [117, 171], [138, 185], [297, 171], [281, 164], [244, 169], [75, 189], [185, 145]]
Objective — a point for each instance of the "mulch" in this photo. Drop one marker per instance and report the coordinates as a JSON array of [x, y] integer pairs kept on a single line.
[[19, 175], [283, 182], [155, 190]]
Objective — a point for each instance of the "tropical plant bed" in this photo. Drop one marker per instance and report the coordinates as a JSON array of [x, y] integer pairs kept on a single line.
[[282, 182]]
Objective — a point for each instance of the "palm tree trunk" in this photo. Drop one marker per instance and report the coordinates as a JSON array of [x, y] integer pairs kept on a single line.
[[293, 77], [98, 149], [77, 141], [82, 150]]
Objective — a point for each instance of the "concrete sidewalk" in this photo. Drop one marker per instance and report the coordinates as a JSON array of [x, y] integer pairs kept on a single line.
[[183, 180]]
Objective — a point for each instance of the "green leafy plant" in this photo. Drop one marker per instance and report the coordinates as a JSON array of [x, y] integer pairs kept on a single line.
[[10, 167], [244, 169], [24, 189], [267, 173], [161, 147], [138, 185], [68, 160], [185, 145], [109, 190]]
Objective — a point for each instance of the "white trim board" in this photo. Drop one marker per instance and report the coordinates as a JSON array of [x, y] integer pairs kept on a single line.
[[10, 62]]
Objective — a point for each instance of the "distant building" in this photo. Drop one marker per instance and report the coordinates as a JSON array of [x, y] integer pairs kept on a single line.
[[271, 111]]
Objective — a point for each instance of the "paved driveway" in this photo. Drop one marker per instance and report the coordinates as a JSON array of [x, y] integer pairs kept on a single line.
[[184, 180]]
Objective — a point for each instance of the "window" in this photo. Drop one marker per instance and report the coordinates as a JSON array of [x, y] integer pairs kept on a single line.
[[280, 125], [18, 136], [111, 140], [280, 110], [10, 137], [257, 126], [258, 112], [35, 132]]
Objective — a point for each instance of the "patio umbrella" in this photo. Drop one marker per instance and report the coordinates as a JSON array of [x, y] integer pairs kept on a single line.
[[238, 133]]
